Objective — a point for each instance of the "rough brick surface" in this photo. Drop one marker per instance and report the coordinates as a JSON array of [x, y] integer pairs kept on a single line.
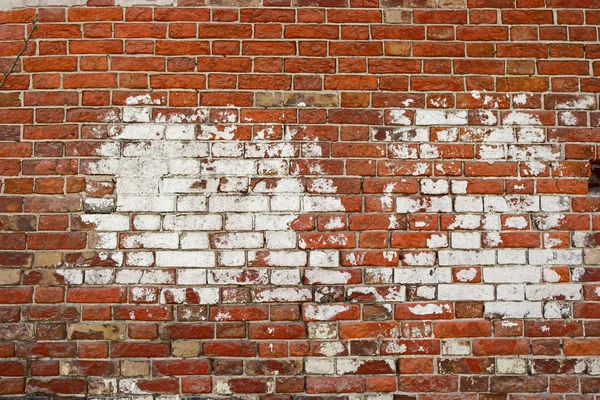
[[317, 199]]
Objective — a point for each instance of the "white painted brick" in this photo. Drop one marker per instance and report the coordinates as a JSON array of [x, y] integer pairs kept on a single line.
[[232, 258], [139, 276], [466, 275], [381, 396], [207, 295], [173, 295], [285, 203], [191, 203], [195, 240], [399, 117], [202, 259], [461, 292], [534, 152], [324, 258], [580, 239], [140, 259], [418, 258], [209, 222], [428, 204], [234, 185], [282, 258], [99, 276], [431, 186], [92, 204], [521, 118], [143, 294], [285, 277], [272, 167], [234, 167], [235, 277], [197, 115], [395, 294], [184, 166], [593, 366], [191, 276], [492, 152], [456, 347], [151, 240], [468, 204], [510, 292], [437, 240], [272, 222], [404, 151], [555, 257], [555, 203], [266, 150], [489, 135], [189, 185], [379, 275], [227, 150], [466, 240], [129, 3], [238, 203], [512, 256], [329, 277], [137, 114], [546, 222], [208, 132], [492, 239], [137, 131], [71, 276], [104, 240], [511, 366], [441, 117], [530, 134], [13, 4], [514, 309], [519, 274], [426, 292], [514, 204], [107, 222], [422, 275], [553, 291], [324, 312], [137, 185], [467, 257], [249, 240], [280, 240], [146, 166], [319, 366], [311, 150], [283, 295], [322, 203], [324, 330], [557, 310], [145, 203], [322, 185], [474, 221], [106, 166], [180, 132], [239, 222]]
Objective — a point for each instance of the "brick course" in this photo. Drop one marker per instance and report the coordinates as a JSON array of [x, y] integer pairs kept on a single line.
[[324, 199]]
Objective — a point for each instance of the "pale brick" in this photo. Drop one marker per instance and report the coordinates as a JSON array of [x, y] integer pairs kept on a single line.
[[465, 292], [204, 259], [514, 309]]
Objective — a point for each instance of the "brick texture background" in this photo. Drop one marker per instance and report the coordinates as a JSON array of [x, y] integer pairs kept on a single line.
[[330, 199]]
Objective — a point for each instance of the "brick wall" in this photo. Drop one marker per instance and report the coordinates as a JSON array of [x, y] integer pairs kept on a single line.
[[324, 200]]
